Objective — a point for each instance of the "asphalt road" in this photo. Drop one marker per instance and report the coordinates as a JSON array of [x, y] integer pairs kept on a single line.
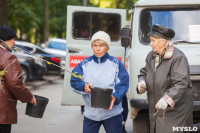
[[57, 118]]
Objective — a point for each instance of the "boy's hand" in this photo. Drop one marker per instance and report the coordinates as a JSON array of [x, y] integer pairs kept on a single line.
[[113, 99], [87, 88]]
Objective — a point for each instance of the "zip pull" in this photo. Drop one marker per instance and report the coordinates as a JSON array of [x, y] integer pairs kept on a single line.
[[98, 60]]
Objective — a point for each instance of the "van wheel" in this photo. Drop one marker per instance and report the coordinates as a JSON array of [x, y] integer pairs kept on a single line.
[[141, 123], [25, 74]]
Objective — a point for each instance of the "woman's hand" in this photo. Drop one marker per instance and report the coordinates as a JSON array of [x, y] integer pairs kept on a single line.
[[142, 87], [162, 104]]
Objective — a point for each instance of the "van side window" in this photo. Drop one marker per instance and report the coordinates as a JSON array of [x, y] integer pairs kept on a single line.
[[85, 24]]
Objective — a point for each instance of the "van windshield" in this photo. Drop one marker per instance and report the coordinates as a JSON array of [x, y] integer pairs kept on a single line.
[[185, 23], [85, 24]]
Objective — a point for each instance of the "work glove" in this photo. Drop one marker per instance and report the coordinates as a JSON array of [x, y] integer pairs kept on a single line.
[[142, 87], [162, 104]]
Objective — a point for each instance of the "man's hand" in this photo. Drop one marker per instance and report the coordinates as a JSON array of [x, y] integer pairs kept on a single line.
[[113, 99], [162, 104], [33, 101], [87, 88], [142, 87]]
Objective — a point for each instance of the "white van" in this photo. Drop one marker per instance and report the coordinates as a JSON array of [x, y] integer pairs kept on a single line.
[[181, 15], [82, 23]]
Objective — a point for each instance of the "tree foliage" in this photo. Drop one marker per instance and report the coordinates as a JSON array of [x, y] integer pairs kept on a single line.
[[24, 16], [58, 14], [119, 4], [27, 17]]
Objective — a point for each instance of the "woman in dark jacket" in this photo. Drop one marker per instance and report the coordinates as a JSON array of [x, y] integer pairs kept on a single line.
[[166, 78], [12, 87]]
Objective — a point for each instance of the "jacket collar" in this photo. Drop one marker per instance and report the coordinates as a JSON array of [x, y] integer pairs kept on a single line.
[[169, 52], [100, 59], [167, 55], [1, 46]]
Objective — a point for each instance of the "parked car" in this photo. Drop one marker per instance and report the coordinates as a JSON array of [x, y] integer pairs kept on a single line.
[[39, 52], [57, 46], [62, 64], [31, 68]]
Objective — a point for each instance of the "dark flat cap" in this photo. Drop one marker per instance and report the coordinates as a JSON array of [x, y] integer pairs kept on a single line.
[[7, 33], [162, 31]]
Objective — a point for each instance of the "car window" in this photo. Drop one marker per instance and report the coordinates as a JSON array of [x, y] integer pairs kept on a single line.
[[57, 45], [40, 51], [22, 47], [29, 48]]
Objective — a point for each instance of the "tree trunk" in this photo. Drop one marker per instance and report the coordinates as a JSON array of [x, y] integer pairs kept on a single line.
[[46, 21], [99, 3], [118, 3], [84, 2], [3, 13]]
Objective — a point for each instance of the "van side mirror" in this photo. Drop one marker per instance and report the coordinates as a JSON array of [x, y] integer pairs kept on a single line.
[[125, 37]]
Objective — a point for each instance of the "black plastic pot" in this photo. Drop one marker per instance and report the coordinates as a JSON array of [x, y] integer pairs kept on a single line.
[[100, 97], [38, 110]]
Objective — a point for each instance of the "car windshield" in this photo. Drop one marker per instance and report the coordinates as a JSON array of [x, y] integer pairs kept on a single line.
[[57, 45], [185, 23]]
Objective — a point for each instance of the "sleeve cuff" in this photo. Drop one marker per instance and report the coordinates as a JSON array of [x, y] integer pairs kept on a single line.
[[169, 100], [141, 78], [137, 90]]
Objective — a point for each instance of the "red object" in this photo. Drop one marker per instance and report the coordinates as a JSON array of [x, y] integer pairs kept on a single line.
[[120, 58], [74, 60], [55, 59], [126, 63]]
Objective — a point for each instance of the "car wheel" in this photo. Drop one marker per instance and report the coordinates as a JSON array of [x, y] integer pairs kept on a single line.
[[25, 74]]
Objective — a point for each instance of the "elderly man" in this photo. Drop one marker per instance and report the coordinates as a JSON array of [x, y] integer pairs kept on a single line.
[[104, 71], [12, 87], [166, 78]]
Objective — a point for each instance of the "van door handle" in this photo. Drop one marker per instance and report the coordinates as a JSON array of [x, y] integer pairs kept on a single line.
[[73, 50]]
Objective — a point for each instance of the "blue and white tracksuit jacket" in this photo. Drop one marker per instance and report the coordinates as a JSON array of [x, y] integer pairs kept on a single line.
[[103, 72]]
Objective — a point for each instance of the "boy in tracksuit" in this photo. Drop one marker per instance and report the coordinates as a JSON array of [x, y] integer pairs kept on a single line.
[[103, 71]]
